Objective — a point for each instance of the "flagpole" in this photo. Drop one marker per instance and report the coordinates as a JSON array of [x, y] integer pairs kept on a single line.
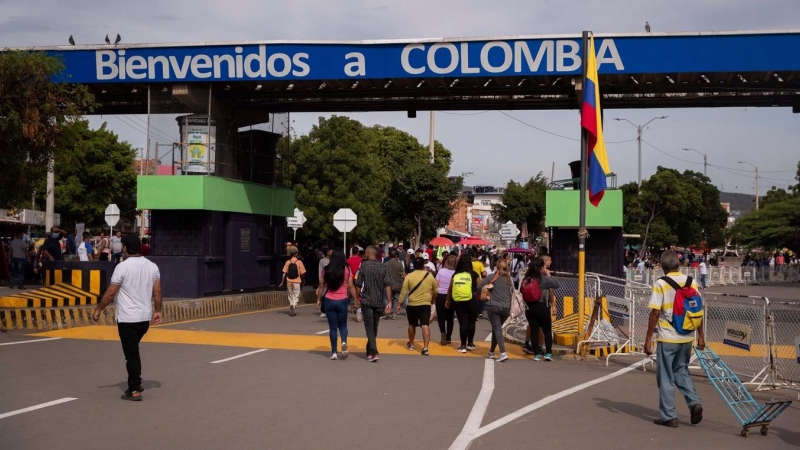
[[582, 224]]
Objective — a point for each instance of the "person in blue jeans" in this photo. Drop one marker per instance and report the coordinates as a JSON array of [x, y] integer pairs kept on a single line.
[[332, 294], [19, 256], [674, 349]]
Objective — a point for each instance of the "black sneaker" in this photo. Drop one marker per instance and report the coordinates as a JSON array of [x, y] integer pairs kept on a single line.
[[425, 352]]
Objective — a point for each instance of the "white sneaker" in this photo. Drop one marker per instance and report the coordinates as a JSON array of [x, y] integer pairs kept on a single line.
[[359, 316], [323, 315], [334, 357], [490, 355], [502, 357]]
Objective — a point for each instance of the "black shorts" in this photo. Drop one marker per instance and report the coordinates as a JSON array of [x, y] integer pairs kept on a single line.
[[418, 315]]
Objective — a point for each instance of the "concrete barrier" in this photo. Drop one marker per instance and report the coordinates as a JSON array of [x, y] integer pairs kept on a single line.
[[172, 311]]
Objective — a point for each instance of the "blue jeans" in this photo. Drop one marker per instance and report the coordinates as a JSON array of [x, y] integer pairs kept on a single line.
[[17, 271], [116, 257], [703, 280], [673, 370], [336, 313]]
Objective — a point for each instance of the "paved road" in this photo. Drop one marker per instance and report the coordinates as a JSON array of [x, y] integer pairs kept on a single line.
[[292, 397]]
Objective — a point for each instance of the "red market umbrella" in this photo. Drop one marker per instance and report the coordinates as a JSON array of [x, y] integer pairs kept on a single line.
[[473, 240], [519, 250], [441, 241]]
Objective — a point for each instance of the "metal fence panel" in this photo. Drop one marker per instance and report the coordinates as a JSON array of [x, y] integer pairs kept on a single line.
[[722, 310], [786, 333]]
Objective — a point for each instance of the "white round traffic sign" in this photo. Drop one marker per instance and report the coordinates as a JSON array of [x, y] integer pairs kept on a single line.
[[345, 220]]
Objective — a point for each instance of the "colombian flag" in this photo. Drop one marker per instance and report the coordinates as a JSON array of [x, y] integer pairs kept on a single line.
[[597, 159]]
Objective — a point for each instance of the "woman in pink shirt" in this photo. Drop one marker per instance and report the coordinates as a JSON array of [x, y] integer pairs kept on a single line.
[[337, 283]]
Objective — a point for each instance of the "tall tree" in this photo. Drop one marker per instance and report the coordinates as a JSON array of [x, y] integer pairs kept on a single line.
[[381, 173], [654, 212], [706, 223], [35, 112], [92, 168], [523, 203], [420, 199], [334, 167], [776, 225]]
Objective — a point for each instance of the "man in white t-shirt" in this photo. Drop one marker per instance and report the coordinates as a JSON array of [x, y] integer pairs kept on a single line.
[[134, 282], [116, 247], [703, 273]]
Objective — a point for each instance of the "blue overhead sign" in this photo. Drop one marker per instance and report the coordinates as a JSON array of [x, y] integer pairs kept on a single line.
[[636, 54]]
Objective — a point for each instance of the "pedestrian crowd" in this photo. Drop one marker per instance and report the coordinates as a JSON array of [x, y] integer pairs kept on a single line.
[[26, 257], [436, 286]]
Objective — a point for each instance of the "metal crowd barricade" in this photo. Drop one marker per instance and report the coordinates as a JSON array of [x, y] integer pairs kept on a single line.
[[785, 325], [609, 328], [630, 315], [713, 278], [749, 356]]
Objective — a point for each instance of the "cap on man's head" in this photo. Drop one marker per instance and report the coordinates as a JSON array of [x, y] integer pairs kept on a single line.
[[410, 252], [425, 256]]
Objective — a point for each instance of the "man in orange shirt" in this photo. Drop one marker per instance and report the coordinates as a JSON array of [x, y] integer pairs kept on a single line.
[[294, 275]]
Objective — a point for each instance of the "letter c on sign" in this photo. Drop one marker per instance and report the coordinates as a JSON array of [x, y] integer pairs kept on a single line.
[[404, 59]]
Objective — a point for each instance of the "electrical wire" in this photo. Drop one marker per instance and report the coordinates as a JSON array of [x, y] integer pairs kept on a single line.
[[671, 155], [555, 134]]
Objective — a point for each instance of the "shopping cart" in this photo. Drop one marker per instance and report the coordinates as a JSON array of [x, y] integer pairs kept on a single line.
[[738, 399]]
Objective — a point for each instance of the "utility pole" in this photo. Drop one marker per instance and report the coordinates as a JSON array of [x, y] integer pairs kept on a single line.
[[430, 143], [50, 203], [754, 167], [705, 159], [639, 129]]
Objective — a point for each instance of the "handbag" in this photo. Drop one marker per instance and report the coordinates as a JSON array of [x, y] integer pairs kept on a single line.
[[517, 304], [486, 291], [405, 300]]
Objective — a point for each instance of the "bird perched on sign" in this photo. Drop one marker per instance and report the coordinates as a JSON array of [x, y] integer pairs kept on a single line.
[[116, 41], [647, 26], [108, 41], [71, 40]]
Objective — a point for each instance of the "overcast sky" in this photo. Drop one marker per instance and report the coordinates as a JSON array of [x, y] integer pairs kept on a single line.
[[494, 147]]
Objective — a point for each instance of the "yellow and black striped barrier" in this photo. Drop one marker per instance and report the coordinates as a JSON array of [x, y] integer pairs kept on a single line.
[[68, 316], [93, 280], [53, 296]]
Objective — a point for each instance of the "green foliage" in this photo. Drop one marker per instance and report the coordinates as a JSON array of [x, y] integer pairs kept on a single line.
[[674, 209], [35, 114], [92, 169], [523, 203], [774, 195], [776, 225], [381, 173]]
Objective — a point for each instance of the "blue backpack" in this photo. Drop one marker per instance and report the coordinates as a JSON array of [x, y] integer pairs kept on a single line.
[[687, 310]]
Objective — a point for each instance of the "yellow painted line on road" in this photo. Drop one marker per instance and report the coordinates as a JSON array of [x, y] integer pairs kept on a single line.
[[270, 341]]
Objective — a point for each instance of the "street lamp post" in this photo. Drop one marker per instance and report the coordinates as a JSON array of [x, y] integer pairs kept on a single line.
[[705, 159], [639, 140], [755, 167]]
